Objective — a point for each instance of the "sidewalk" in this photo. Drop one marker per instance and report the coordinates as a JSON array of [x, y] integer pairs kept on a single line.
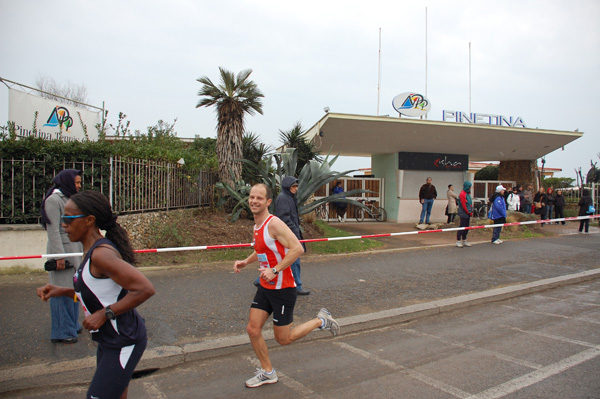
[[200, 312]]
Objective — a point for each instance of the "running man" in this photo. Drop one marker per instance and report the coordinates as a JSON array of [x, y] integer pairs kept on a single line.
[[276, 247]]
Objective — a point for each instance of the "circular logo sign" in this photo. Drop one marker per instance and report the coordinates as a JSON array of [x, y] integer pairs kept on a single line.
[[411, 104]]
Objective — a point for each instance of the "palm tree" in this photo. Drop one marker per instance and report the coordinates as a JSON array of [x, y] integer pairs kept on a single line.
[[233, 98], [255, 151], [306, 151]]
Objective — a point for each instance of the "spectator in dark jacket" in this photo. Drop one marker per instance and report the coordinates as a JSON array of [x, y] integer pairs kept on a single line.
[[521, 198], [559, 206], [527, 200], [427, 194], [550, 202], [286, 209], [584, 205], [539, 201]]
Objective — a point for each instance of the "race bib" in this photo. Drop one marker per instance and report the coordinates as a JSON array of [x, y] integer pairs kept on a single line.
[[263, 262]]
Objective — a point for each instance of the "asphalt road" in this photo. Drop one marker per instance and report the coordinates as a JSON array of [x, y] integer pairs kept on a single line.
[[196, 304], [544, 345]]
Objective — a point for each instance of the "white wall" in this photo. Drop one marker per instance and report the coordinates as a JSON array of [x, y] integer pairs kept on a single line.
[[21, 240], [412, 180]]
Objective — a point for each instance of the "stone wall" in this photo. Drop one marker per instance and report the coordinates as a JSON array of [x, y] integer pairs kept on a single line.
[[523, 172], [20, 240], [140, 226]]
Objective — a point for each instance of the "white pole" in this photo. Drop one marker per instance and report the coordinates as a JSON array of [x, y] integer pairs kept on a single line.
[[469, 79], [425, 51], [379, 73], [426, 55]]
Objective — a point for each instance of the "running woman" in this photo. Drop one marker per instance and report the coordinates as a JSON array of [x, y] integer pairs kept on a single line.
[[109, 289], [276, 247]]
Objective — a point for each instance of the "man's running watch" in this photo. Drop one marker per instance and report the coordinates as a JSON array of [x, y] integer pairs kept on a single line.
[[275, 271], [110, 315]]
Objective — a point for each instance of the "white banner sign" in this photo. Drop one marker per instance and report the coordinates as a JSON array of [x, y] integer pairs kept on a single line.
[[55, 121]]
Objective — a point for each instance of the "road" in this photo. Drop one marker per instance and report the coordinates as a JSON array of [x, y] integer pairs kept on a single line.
[[544, 345]]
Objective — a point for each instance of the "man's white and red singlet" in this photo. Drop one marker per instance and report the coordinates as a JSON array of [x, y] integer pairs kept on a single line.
[[270, 252]]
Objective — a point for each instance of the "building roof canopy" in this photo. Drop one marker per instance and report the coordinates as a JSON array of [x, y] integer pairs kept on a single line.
[[360, 135]]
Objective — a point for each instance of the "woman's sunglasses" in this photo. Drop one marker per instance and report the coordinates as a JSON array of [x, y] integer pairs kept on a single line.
[[69, 219]]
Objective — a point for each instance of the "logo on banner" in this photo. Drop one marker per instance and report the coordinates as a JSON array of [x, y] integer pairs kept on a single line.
[[60, 117], [432, 161], [411, 104]]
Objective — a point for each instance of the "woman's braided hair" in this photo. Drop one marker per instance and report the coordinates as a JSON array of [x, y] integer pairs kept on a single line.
[[96, 204]]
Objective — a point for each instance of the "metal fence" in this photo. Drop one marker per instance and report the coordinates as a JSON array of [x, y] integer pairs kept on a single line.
[[132, 185], [483, 189], [375, 184], [140, 185]]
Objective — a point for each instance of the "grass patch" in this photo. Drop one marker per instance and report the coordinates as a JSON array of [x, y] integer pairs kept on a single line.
[[570, 213], [343, 246], [231, 255], [193, 257], [527, 232]]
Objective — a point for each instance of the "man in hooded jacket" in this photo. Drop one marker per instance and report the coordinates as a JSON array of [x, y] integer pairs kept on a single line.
[[286, 209]]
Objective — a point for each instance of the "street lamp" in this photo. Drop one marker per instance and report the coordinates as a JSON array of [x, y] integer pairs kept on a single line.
[[542, 175]]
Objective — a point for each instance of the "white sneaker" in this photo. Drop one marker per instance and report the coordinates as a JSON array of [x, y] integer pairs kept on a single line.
[[500, 241], [466, 244], [329, 322], [261, 377], [497, 242], [459, 244]]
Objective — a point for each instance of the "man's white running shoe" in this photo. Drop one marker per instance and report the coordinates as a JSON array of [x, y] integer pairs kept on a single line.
[[459, 244], [466, 244], [329, 322], [261, 377], [497, 242]]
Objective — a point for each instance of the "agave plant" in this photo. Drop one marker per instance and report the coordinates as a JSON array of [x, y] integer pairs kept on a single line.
[[313, 176]]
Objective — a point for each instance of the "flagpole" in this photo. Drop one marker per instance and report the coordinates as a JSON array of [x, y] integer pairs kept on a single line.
[[379, 73], [426, 55], [469, 78]]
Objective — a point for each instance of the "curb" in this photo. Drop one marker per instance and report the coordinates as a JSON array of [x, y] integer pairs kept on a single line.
[[80, 371]]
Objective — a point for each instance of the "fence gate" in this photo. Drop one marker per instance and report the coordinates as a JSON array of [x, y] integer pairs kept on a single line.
[[353, 183]]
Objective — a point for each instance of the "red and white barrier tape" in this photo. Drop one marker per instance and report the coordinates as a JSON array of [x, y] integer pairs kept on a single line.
[[203, 247]]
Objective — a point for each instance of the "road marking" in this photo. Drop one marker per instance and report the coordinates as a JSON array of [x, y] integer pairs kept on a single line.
[[487, 352], [534, 377], [571, 300], [585, 319], [554, 337], [153, 391], [290, 382], [411, 373]]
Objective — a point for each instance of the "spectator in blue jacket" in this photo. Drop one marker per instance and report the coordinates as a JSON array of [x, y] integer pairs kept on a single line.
[[498, 213]]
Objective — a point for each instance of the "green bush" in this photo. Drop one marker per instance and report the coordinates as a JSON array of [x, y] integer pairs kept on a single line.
[[25, 183]]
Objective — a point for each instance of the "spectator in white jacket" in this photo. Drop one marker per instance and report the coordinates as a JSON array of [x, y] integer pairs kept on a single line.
[[513, 200]]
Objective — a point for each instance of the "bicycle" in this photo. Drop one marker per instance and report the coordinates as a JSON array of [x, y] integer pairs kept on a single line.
[[480, 210], [376, 212], [322, 212]]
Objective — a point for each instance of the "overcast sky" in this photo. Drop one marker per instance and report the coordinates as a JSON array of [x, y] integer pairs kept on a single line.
[[539, 60]]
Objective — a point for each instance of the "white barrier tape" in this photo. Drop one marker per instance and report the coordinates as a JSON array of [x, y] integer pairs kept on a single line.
[[204, 247]]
